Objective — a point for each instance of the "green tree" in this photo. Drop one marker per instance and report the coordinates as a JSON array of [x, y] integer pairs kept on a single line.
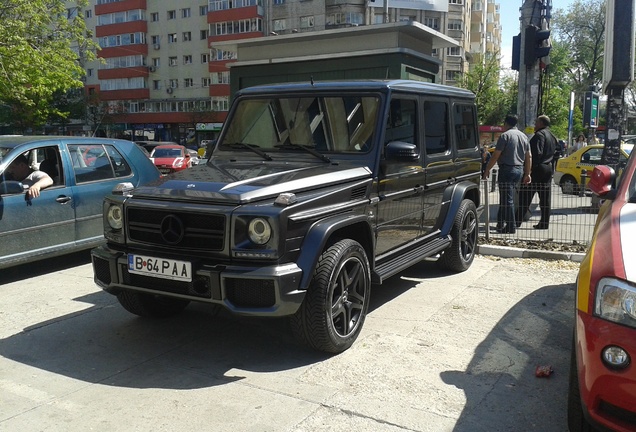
[[557, 85], [492, 94], [42, 44], [581, 29]]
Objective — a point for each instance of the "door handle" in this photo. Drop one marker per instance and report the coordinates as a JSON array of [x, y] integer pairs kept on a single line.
[[63, 199], [419, 189]]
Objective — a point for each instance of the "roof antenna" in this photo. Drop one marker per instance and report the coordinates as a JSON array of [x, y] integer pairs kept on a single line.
[[311, 79]]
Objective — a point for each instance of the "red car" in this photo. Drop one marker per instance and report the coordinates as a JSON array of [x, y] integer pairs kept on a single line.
[[171, 158], [602, 373]]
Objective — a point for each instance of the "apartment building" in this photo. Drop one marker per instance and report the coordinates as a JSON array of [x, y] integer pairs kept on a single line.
[[162, 76]]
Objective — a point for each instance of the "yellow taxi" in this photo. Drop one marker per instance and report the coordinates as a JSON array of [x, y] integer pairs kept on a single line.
[[569, 170]]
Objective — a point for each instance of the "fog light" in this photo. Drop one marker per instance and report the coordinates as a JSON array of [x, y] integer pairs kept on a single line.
[[615, 357]]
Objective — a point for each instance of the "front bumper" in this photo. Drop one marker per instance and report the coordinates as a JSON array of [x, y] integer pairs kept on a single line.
[[608, 395], [255, 291]]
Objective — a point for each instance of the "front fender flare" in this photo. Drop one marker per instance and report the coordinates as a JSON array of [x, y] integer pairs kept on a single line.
[[316, 240]]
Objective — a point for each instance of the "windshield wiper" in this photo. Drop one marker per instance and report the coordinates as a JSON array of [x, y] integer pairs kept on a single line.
[[252, 147], [308, 149]]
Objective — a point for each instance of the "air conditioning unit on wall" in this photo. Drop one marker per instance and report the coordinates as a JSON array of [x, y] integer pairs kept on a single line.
[[151, 68], [169, 90]]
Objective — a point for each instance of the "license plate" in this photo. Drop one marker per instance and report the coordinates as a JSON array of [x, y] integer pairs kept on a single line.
[[160, 267], [164, 170]]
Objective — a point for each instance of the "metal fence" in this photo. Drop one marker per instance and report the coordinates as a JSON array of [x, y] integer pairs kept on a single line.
[[572, 217]]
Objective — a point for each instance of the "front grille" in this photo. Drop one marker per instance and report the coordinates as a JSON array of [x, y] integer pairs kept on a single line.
[[201, 231], [199, 287], [101, 268], [250, 293]]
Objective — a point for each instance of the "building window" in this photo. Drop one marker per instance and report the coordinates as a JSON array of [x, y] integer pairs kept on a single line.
[[457, 2], [172, 37], [122, 39], [432, 23], [454, 25], [156, 85], [279, 2], [203, 10], [220, 103], [280, 25], [203, 34], [123, 84], [172, 14], [88, 14], [205, 58], [453, 51], [155, 39], [205, 82], [220, 78], [307, 21], [174, 83], [187, 36], [223, 55], [187, 82], [156, 61], [122, 62], [89, 72], [187, 59], [186, 13], [154, 17], [452, 75], [241, 26], [435, 52], [172, 61], [121, 17]]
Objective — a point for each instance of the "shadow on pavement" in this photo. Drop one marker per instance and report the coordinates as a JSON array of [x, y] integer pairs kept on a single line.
[[45, 266], [535, 332]]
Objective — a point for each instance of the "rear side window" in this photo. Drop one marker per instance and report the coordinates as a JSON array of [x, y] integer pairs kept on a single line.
[[464, 122], [436, 127], [92, 162]]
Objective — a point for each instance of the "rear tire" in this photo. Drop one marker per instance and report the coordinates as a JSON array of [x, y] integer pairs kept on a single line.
[[569, 186], [335, 306], [151, 306], [459, 256]]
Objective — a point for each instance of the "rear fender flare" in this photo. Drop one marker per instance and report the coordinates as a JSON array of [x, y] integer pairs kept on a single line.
[[453, 197]]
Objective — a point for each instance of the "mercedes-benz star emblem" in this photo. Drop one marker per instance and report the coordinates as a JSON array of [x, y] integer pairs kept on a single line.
[[172, 229]]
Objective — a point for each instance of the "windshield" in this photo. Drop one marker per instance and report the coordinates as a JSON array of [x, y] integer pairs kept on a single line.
[[343, 124], [159, 152]]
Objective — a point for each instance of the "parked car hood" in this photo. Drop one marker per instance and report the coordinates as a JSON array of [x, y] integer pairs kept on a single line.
[[240, 182], [166, 160]]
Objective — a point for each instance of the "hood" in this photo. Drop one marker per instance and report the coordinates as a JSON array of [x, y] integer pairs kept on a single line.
[[169, 161], [233, 182]]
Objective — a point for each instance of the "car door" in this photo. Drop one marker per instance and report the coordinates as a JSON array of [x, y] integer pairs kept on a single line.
[[399, 215], [96, 169], [39, 225], [438, 163]]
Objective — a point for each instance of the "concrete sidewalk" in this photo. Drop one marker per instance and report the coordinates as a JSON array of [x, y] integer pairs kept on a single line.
[[438, 352]]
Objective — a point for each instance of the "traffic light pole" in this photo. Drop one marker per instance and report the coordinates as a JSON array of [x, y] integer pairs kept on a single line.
[[533, 32]]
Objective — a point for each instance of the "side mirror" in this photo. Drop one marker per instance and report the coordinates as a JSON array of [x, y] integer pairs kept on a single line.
[[602, 179], [401, 151], [11, 187]]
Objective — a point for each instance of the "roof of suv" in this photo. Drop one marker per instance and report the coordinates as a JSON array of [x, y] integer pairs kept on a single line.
[[361, 85]]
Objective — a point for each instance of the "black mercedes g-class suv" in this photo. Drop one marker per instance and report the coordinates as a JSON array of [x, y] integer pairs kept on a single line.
[[313, 192]]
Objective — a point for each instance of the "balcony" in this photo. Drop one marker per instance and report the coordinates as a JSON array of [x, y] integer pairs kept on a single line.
[[119, 6]]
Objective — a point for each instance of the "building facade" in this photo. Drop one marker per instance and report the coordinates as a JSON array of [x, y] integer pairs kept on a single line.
[[163, 68]]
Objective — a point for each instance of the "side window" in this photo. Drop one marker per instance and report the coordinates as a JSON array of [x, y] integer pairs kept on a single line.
[[464, 122], [436, 127], [41, 159], [93, 162], [401, 124]]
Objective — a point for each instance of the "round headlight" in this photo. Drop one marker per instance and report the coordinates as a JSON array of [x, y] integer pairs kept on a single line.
[[259, 231], [114, 216]]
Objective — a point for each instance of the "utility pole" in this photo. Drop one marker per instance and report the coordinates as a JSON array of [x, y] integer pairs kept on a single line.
[[534, 47], [618, 72]]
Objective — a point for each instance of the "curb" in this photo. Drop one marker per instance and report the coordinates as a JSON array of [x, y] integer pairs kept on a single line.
[[511, 252]]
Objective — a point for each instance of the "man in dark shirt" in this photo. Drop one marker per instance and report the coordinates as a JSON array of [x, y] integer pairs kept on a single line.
[[542, 146]]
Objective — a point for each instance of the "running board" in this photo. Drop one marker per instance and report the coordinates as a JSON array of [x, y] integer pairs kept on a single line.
[[402, 261]]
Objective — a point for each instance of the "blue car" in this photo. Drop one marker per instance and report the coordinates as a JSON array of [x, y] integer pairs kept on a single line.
[[67, 216]]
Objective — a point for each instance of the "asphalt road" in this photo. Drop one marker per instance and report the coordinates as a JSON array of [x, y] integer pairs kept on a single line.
[[439, 352]]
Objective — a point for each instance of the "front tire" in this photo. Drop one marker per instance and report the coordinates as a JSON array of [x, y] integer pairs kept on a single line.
[[335, 306], [576, 418], [569, 186], [151, 306], [459, 256]]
